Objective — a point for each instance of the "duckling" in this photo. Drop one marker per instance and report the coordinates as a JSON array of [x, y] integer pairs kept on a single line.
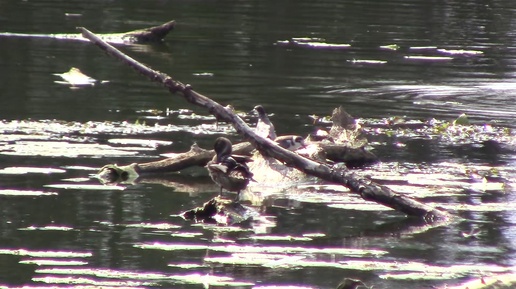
[[290, 142], [229, 171], [264, 127]]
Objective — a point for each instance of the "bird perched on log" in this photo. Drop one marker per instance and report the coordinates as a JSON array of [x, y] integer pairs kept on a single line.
[[229, 171], [290, 142], [264, 127]]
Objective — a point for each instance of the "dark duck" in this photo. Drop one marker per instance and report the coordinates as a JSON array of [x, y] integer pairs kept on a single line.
[[229, 171]]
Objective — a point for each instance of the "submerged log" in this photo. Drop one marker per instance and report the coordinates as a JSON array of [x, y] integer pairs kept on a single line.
[[366, 188]]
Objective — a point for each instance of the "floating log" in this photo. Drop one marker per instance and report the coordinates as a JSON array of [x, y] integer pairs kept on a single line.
[[365, 187], [151, 34]]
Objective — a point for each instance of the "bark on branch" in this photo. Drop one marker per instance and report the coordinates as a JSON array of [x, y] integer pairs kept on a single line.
[[367, 189]]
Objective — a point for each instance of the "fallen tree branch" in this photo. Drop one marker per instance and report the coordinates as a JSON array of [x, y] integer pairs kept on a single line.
[[367, 189], [196, 156]]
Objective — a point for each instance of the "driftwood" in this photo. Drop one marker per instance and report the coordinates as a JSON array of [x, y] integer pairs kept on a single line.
[[151, 34], [323, 150], [366, 188], [196, 156]]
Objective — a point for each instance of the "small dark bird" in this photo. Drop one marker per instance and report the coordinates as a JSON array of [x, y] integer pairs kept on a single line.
[[290, 142], [229, 171], [264, 127]]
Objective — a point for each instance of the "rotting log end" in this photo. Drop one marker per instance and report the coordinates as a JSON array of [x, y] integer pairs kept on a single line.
[[111, 173]]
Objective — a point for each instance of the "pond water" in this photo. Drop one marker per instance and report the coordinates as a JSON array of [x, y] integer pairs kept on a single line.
[[380, 60]]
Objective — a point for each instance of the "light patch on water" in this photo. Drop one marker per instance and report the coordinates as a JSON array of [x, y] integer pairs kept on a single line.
[[314, 235], [45, 254], [141, 142], [47, 228], [427, 58], [186, 234], [80, 168], [508, 85], [64, 149], [422, 47], [222, 240], [435, 179], [135, 277], [310, 42], [324, 197], [256, 259], [263, 249], [369, 206], [28, 170], [420, 276], [460, 52], [496, 281], [187, 266], [86, 187], [413, 268], [53, 262], [282, 287], [223, 229], [194, 116], [16, 137], [280, 238], [488, 186], [92, 282], [427, 192], [26, 193], [76, 180], [367, 61], [484, 207], [171, 247], [159, 226]]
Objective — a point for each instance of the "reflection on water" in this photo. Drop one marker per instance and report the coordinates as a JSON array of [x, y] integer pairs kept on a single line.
[[379, 59]]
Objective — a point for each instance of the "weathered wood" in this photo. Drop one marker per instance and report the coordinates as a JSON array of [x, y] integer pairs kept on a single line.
[[368, 189], [196, 156], [151, 34]]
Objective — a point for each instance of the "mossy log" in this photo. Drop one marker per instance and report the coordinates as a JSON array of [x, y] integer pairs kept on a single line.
[[365, 187]]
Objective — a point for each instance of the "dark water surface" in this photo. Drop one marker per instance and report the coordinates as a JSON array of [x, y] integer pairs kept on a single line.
[[414, 59]]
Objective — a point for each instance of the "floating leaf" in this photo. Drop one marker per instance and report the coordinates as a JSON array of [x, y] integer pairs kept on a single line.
[[462, 120]]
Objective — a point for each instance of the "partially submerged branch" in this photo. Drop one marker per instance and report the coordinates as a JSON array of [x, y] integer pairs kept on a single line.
[[151, 34], [368, 189]]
